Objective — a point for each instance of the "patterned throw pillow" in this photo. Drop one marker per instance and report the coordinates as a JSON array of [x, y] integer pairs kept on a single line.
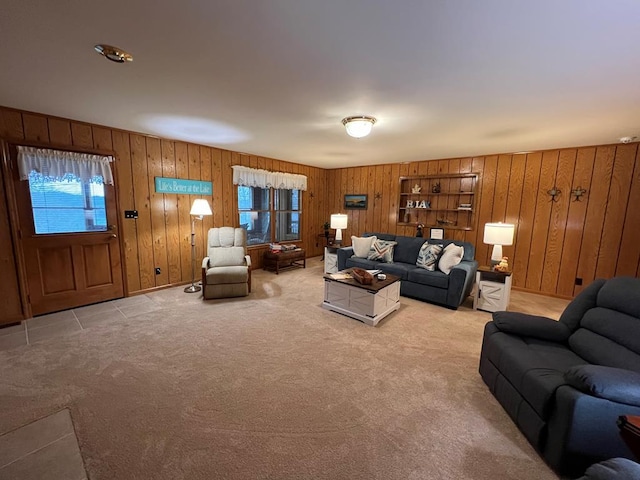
[[428, 256], [382, 251]]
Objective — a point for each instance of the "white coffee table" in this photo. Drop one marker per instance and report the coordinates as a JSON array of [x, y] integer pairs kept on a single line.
[[367, 303]]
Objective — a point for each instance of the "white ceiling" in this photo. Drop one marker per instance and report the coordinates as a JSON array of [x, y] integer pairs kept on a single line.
[[275, 77]]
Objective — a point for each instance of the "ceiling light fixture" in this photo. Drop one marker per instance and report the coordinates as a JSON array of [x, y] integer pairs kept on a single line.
[[359, 126], [114, 54]]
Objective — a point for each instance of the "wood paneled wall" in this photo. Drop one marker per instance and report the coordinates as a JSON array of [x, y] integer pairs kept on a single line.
[[160, 237], [555, 242]]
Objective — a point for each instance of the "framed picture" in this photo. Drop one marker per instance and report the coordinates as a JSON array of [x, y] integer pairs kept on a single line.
[[436, 233], [355, 202]]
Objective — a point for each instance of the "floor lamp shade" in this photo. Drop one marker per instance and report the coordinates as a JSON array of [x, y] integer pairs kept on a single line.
[[199, 209], [498, 234], [338, 221]]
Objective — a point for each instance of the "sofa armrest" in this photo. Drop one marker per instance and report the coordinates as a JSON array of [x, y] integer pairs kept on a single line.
[[531, 326], [343, 254], [205, 263], [461, 279], [614, 384], [247, 259]]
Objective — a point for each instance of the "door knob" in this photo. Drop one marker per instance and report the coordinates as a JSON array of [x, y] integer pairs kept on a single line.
[[113, 235]]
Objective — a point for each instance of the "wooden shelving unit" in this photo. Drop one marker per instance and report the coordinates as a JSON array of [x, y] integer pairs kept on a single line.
[[438, 202]]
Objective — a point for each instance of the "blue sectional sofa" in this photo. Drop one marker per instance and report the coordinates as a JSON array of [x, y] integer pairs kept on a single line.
[[433, 287]]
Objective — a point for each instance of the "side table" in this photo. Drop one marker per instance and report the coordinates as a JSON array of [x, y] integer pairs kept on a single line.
[[277, 261], [330, 260], [493, 290]]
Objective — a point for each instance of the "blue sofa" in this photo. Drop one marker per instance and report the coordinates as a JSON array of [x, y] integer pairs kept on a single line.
[[433, 287], [565, 383]]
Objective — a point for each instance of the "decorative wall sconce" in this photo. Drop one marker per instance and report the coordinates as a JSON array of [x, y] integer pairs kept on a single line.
[[578, 192], [554, 192]]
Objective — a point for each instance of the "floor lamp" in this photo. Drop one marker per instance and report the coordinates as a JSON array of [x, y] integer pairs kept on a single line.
[[199, 209]]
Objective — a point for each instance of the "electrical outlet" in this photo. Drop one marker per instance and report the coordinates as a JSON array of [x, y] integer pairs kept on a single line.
[[158, 271]]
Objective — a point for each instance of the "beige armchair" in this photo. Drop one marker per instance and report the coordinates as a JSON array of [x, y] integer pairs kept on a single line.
[[226, 271]]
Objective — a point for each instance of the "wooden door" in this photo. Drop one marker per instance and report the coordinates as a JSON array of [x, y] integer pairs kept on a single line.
[[67, 270]]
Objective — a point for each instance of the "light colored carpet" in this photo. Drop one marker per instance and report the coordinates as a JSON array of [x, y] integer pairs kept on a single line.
[[272, 386]]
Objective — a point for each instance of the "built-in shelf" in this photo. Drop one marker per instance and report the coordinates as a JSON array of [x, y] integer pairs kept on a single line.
[[442, 194]]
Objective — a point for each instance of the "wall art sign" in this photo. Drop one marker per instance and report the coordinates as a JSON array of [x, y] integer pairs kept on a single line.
[[181, 186]]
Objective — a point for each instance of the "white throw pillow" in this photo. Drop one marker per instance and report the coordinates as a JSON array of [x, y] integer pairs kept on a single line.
[[451, 256], [362, 245]]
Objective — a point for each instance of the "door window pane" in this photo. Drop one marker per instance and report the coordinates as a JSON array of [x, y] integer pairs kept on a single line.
[[67, 205]]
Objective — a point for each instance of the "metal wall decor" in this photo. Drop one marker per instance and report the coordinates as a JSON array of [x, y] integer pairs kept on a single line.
[[554, 192], [578, 192]]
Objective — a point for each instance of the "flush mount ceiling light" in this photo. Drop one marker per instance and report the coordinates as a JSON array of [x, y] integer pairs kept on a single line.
[[114, 54], [359, 126]]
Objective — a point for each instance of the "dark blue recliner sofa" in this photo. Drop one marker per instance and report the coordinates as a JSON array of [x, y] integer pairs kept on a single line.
[[434, 287], [564, 383]]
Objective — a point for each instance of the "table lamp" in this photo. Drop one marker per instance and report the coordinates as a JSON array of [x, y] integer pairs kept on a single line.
[[498, 234], [338, 221]]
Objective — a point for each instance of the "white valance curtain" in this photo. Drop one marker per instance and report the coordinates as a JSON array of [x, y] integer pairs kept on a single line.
[[252, 177], [56, 164]]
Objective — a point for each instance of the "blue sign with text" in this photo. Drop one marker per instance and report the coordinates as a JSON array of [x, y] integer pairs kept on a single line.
[[183, 187]]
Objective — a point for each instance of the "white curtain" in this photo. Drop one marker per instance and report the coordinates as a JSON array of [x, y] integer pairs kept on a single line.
[[252, 177], [56, 164]]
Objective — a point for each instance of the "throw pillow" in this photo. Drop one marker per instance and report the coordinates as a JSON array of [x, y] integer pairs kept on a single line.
[[451, 256], [382, 251], [428, 256], [362, 245]]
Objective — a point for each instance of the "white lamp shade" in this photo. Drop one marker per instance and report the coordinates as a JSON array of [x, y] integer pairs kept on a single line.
[[200, 207], [358, 127], [338, 220], [498, 233]]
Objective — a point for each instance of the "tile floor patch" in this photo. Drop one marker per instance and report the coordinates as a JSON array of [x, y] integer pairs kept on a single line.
[[52, 318], [12, 329], [44, 449], [89, 310], [12, 341], [127, 301], [101, 318], [62, 327], [36, 435], [134, 310]]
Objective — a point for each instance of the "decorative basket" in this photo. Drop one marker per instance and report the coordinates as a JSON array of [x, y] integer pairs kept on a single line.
[[362, 276]]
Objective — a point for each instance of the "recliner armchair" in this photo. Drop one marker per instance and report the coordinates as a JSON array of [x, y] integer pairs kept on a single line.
[[564, 383], [226, 271]]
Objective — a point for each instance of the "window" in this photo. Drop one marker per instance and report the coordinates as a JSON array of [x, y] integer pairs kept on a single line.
[[67, 204], [257, 206]]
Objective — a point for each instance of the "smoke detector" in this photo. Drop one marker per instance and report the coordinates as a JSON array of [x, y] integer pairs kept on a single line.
[[627, 139]]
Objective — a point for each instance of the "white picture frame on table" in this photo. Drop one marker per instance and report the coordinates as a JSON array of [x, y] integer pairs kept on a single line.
[[436, 233]]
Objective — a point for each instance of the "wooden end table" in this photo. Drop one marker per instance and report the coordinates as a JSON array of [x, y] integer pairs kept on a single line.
[[277, 261]]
